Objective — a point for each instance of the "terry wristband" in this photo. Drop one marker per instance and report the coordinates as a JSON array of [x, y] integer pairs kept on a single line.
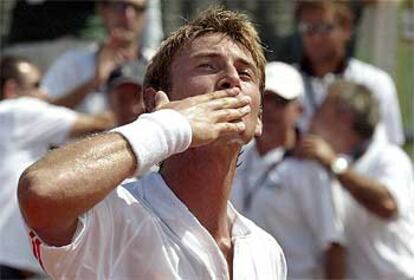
[[155, 136]]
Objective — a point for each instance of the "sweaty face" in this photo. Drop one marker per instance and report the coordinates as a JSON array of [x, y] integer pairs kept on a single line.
[[126, 103], [214, 62], [322, 36], [128, 15], [327, 122]]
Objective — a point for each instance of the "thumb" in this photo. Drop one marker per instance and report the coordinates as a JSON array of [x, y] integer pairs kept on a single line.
[[161, 99]]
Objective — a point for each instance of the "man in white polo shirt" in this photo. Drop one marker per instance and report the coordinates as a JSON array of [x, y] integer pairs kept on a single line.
[[176, 224], [28, 128], [281, 193], [376, 178], [325, 28]]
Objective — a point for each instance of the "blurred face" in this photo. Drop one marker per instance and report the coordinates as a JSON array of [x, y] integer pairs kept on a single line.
[[127, 15], [126, 102], [279, 116], [214, 62], [30, 82], [327, 122], [323, 38]]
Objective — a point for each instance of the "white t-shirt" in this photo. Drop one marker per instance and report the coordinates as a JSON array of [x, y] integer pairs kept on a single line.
[[74, 68], [143, 231], [252, 170], [378, 248], [378, 81], [28, 127], [295, 208]]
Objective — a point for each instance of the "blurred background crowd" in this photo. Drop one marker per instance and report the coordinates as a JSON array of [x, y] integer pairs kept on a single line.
[[84, 62]]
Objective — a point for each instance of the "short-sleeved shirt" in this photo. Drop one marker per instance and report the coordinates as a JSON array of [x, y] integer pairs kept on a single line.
[[375, 79], [295, 208], [74, 68], [28, 127], [379, 248], [141, 230]]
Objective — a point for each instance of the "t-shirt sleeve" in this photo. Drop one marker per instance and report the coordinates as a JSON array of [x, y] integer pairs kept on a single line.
[[391, 111], [397, 178], [67, 73], [318, 206], [95, 246], [40, 122]]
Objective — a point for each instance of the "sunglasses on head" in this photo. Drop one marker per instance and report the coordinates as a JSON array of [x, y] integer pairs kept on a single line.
[[316, 28]]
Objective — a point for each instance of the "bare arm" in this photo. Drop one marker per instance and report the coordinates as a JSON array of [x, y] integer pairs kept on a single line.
[[370, 193], [71, 180], [85, 124], [335, 262], [74, 97]]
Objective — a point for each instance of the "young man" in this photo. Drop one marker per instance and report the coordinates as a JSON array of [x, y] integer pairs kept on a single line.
[[377, 179], [177, 224], [280, 193], [76, 79], [28, 127], [325, 28]]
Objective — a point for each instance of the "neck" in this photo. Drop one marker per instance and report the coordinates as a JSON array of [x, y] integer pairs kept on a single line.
[[201, 178], [348, 143], [321, 68], [268, 142]]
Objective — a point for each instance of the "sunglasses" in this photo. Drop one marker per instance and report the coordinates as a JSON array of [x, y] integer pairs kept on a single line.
[[122, 6], [317, 28]]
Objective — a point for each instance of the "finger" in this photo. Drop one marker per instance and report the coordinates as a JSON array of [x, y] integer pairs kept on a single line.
[[230, 128], [217, 95], [229, 102], [161, 99], [227, 115]]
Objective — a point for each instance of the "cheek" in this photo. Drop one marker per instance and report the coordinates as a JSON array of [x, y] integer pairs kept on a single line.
[[191, 86]]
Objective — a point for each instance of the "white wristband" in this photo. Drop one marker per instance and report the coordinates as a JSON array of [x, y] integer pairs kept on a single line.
[[156, 136]]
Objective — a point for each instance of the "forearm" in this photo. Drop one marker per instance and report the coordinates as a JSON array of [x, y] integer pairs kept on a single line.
[[69, 181], [74, 97], [369, 193], [85, 124], [335, 262]]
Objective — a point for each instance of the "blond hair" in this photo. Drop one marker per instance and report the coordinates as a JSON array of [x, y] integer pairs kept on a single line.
[[214, 20], [358, 100]]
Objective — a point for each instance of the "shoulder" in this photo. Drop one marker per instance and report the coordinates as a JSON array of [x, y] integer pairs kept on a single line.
[[23, 104], [364, 72], [74, 57]]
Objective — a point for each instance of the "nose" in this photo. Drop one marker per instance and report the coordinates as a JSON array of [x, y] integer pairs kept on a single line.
[[128, 15], [230, 79]]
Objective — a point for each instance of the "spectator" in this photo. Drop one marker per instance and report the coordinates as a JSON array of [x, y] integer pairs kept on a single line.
[[325, 28], [281, 193], [176, 224], [124, 91], [28, 127], [377, 179], [75, 80]]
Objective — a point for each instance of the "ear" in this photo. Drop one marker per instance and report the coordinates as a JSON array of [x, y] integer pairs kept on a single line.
[[259, 124], [10, 89], [149, 99]]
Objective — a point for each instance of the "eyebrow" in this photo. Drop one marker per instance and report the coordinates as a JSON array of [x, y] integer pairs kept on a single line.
[[243, 61]]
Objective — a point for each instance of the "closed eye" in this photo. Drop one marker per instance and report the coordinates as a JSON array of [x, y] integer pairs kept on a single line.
[[206, 66], [245, 74]]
